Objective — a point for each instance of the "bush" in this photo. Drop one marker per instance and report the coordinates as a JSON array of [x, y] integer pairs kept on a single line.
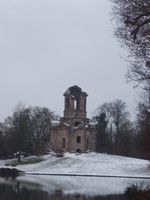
[[138, 192]]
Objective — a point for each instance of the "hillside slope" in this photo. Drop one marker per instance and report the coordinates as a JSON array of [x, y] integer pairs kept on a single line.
[[90, 163]]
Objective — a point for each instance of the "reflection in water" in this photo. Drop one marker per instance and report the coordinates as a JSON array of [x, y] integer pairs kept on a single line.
[[23, 190], [92, 186], [15, 192]]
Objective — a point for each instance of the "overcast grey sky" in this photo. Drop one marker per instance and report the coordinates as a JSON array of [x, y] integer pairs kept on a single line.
[[48, 45]]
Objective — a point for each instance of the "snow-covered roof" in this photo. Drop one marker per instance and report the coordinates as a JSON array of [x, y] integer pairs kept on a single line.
[[55, 123]]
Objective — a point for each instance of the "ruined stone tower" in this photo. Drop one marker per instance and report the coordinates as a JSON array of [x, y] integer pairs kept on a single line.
[[74, 132], [75, 106]]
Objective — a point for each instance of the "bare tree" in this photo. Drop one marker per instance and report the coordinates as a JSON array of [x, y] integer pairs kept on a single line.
[[114, 129], [41, 123], [122, 125], [143, 124], [133, 30], [22, 129]]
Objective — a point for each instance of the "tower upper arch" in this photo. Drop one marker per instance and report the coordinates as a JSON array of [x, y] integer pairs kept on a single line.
[[75, 102]]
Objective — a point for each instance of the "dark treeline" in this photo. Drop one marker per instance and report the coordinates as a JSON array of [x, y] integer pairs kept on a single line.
[[116, 134], [27, 130]]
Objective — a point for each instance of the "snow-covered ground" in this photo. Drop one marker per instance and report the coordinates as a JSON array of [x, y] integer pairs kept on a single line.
[[89, 163]]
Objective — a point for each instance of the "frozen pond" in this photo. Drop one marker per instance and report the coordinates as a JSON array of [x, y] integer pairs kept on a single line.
[[31, 187]]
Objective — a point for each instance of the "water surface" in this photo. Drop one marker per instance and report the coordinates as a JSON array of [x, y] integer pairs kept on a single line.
[[65, 188]]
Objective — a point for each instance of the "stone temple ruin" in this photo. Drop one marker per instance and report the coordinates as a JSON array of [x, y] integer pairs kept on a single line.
[[74, 133]]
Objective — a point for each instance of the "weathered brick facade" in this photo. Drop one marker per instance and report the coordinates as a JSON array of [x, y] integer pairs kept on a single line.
[[74, 132]]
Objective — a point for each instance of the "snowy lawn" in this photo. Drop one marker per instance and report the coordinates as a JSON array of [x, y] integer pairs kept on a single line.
[[88, 163]]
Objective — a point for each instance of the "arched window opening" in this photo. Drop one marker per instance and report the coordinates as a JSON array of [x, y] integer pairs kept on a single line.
[[67, 103], [77, 123], [78, 150], [63, 143], [78, 139], [75, 104]]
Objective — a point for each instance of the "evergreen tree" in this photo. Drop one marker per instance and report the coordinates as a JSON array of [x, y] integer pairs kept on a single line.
[[101, 134]]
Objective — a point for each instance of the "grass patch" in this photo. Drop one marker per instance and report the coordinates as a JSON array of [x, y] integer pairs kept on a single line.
[[25, 161]]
